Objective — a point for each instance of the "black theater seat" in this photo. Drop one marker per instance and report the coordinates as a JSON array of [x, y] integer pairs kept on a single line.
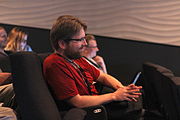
[[33, 96], [162, 91]]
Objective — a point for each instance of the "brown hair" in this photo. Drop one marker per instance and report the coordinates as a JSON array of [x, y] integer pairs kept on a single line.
[[1, 28], [65, 27], [89, 37]]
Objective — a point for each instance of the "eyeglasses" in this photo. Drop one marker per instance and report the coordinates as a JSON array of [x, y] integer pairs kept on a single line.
[[91, 46], [81, 39]]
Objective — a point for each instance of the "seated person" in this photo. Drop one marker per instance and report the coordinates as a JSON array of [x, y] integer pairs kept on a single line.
[[6, 89], [70, 77], [3, 42], [17, 41], [90, 53]]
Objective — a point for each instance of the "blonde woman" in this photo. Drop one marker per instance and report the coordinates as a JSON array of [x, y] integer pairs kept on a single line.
[[17, 41]]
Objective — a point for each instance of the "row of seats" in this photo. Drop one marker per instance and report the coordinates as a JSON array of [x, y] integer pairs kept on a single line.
[[162, 91], [34, 99]]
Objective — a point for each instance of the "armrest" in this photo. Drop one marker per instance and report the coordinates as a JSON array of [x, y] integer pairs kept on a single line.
[[89, 113], [96, 113], [75, 114]]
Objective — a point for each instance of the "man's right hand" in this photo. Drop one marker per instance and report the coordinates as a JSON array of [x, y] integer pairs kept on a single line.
[[129, 93]]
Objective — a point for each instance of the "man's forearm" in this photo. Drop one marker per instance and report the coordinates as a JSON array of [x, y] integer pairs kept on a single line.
[[110, 81], [129, 93], [82, 101]]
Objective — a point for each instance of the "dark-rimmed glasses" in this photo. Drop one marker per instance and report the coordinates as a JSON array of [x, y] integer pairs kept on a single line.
[[71, 39], [91, 46]]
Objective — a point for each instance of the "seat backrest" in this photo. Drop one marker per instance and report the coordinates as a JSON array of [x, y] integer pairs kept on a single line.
[[32, 93], [161, 82]]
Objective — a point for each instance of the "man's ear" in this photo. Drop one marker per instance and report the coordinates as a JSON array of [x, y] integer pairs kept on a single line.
[[62, 44]]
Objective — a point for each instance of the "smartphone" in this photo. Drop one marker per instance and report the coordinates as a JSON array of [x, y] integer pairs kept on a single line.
[[136, 78]]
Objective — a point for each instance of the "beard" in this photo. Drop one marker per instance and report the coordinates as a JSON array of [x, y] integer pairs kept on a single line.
[[72, 54]]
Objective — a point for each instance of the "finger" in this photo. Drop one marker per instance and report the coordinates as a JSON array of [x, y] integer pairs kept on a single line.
[[137, 87], [133, 96], [131, 85], [131, 99], [134, 99], [133, 90], [128, 99], [137, 93], [134, 86]]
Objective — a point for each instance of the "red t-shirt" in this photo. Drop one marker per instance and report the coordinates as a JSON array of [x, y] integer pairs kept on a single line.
[[64, 79]]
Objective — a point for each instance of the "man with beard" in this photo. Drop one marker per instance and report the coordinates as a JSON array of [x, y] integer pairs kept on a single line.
[[71, 77]]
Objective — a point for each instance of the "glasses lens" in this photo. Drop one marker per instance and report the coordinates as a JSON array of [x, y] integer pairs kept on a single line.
[[81, 39]]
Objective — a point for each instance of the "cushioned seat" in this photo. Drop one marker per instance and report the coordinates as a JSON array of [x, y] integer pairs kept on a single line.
[[162, 90], [33, 96]]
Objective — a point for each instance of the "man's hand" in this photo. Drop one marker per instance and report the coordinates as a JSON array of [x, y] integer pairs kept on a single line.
[[129, 93], [99, 60]]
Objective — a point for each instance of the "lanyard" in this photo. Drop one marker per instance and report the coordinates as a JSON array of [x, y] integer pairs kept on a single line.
[[95, 64], [80, 72]]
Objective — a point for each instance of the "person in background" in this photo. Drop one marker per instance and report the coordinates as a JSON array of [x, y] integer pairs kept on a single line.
[[3, 41], [90, 53], [70, 77], [6, 90], [4, 73], [17, 41]]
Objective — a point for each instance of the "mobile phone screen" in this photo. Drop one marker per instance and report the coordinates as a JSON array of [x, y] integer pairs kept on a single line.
[[136, 78]]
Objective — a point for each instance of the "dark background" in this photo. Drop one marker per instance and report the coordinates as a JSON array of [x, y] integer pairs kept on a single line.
[[123, 57]]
